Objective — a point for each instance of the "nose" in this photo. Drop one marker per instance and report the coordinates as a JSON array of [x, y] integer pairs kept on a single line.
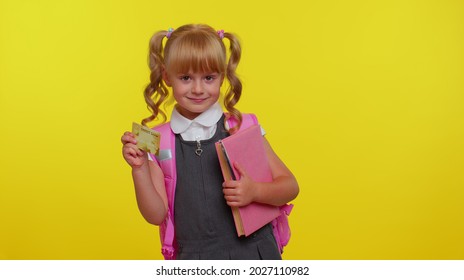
[[197, 88]]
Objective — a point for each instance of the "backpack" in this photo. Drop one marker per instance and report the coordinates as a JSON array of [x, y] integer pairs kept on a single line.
[[166, 161]]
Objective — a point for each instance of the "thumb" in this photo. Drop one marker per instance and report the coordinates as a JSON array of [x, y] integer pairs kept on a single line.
[[240, 170]]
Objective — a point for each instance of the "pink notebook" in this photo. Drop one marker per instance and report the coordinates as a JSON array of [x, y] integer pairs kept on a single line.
[[246, 147]]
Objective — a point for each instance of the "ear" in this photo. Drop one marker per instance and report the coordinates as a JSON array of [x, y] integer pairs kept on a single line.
[[164, 73]]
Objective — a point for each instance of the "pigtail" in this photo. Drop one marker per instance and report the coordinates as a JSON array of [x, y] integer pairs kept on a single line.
[[156, 92], [234, 92]]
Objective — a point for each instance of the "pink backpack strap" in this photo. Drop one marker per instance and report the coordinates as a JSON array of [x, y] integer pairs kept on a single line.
[[166, 161], [247, 121], [167, 155]]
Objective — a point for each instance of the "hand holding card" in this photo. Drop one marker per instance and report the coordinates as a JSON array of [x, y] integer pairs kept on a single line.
[[148, 140]]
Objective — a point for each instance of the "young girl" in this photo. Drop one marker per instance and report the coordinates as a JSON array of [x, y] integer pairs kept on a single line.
[[194, 63]]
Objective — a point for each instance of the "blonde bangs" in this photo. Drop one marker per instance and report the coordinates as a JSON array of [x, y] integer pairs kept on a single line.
[[199, 52]]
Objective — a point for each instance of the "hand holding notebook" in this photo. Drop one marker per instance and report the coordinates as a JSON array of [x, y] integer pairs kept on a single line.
[[239, 192], [246, 148]]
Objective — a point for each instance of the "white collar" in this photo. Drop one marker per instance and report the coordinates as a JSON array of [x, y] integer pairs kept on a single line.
[[208, 118]]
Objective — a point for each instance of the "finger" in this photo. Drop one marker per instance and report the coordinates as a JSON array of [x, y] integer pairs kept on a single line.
[[133, 150], [129, 151], [130, 145], [125, 137], [230, 184], [235, 204], [229, 192], [240, 169], [231, 198], [226, 184], [128, 138], [138, 152]]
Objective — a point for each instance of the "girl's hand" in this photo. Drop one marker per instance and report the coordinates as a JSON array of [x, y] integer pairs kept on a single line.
[[239, 193], [133, 155]]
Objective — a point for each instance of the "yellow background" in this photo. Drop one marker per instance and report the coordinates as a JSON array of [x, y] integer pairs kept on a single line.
[[362, 99]]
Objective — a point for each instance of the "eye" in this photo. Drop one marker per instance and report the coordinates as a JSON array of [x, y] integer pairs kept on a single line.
[[210, 78], [185, 77]]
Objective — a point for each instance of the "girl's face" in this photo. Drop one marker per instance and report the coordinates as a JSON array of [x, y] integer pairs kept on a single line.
[[194, 92]]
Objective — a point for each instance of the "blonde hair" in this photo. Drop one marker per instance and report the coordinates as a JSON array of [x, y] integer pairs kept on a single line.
[[198, 48]]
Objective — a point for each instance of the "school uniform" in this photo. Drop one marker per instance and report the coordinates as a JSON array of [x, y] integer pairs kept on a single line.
[[204, 223]]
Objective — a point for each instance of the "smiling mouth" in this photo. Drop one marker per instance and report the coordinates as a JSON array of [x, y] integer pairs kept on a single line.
[[196, 100]]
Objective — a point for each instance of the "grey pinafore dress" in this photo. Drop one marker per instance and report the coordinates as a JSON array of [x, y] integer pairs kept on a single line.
[[204, 224]]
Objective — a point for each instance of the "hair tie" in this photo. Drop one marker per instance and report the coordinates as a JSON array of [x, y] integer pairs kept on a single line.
[[170, 30], [220, 33]]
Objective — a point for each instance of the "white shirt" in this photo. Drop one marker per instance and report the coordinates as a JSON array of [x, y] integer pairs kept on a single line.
[[201, 128]]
